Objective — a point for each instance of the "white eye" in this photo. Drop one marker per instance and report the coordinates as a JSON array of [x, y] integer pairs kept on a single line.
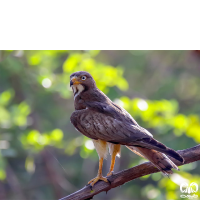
[[83, 77]]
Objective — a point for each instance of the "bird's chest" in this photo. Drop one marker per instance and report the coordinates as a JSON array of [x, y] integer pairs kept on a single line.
[[79, 104], [87, 122]]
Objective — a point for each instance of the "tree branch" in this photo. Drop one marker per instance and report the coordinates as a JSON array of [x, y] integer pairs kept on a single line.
[[190, 155]]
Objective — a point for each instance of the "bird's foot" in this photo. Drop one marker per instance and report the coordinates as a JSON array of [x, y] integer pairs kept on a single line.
[[110, 173], [96, 179]]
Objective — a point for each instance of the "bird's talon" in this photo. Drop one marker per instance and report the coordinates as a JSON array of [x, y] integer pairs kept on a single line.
[[90, 187], [109, 181], [95, 180]]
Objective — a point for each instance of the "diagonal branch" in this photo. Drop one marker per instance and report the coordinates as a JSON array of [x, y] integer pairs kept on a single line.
[[190, 155]]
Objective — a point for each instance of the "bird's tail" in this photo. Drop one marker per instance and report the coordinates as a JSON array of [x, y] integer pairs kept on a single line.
[[160, 160], [151, 143]]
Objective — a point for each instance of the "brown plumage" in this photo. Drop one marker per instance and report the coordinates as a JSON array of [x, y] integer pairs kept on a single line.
[[110, 126]]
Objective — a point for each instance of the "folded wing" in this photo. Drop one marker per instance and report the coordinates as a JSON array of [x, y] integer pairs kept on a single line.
[[107, 123]]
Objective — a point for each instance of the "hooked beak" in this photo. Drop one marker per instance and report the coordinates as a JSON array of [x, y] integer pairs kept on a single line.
[[71, 83], [74, 81]]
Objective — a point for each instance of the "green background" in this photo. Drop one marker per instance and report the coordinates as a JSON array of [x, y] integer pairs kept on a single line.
[[43, 157]]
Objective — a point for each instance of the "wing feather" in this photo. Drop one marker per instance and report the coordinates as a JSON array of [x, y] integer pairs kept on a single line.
[[97, 125], [104, 122]]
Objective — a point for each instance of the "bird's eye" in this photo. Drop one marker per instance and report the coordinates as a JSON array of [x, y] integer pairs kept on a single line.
[[83, 77]]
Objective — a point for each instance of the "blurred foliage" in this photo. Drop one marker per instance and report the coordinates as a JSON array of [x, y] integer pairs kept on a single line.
[[163, 116], [42, 150]]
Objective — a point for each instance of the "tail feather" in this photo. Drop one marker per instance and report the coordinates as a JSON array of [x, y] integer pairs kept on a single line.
[[160, 160], [151, 143]]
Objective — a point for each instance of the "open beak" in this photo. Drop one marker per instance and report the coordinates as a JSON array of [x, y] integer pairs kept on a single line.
[[74, 81]]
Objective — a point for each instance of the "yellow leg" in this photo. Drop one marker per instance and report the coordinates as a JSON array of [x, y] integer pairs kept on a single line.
[[112, 165], [99, 175], [114, 150]]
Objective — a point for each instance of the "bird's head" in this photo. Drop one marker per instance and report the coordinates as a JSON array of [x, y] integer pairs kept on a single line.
[[81, 81]]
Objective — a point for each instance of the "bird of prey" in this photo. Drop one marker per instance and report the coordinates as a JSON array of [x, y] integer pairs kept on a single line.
[[110, 126]]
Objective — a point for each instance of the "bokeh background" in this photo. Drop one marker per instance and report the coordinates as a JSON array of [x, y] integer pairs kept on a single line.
[[43, 157]]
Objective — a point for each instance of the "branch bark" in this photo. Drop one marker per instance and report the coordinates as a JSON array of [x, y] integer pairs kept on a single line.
[[190, 155]]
